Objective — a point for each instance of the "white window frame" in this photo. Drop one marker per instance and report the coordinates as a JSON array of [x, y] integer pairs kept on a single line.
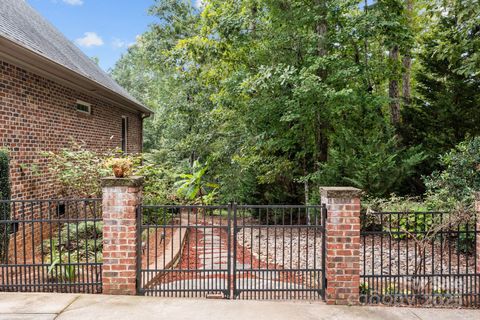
[[84, 104]]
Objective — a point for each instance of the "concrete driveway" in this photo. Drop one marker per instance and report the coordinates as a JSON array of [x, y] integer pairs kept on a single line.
[[72, 306]]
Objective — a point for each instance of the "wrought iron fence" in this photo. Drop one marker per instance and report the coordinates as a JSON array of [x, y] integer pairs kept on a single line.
[[232, 251], [51, 246], [185, 251], [419, 258], [279, 252]]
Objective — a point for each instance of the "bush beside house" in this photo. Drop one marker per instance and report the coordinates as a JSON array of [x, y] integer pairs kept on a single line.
[[5, 193]]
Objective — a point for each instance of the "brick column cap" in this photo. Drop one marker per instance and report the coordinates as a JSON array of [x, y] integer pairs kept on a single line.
[[133, 181], [340, 192]]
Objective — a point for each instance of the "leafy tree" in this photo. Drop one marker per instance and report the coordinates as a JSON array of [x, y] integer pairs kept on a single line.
[[459, 178], [280, 97], [444, 110]]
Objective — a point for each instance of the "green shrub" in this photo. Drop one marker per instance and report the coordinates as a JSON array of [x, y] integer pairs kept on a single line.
[[368, 160], [78, 242], [365, 289], [394, 203], [466, 240], [77, 171], [5, 194], [371, 222], [460, 178], [5, 191], [159, 177], [410, 225]]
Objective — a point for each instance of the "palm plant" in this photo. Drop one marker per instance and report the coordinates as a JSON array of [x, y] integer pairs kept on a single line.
[[194, 187]]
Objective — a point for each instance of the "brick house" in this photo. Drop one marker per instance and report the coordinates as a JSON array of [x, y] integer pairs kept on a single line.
[[50, 94]]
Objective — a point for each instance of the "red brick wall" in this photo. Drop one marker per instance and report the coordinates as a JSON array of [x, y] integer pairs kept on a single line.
[[37, 114], [343, 244], [120, 200]]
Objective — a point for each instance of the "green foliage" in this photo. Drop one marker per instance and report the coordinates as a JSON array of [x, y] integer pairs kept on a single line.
[[466, 240], [393, 203], [158, 188], [279, 109], [370, 161], [365, 289], [78, 171], [410, 225], [78, 243], [404, 217], [194, 187], [447, 79], [459, 179], [5, 193]]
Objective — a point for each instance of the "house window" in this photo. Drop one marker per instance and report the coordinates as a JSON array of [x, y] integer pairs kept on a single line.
[[83, 107], [124, 133]]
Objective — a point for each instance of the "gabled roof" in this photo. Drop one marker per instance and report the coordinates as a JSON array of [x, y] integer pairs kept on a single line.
[[26, 29]]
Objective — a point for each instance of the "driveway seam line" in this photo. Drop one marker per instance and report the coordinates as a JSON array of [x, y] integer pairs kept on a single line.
[[416, 315], [66, 307]]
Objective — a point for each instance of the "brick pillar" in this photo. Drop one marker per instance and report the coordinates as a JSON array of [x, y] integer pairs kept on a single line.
[[343, 244], [477, 209], [121, 198]]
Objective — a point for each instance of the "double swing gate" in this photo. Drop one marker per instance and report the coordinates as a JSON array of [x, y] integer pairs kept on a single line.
[[232, 251]]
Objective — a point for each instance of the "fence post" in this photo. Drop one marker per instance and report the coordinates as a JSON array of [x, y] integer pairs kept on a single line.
[[121, 198], [477, 235], [343, 244]]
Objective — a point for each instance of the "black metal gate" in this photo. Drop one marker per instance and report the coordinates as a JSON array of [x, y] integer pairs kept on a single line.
[[232, 251], [185, 251]]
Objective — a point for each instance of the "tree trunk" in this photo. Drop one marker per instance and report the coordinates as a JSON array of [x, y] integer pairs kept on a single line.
[[393, 90]]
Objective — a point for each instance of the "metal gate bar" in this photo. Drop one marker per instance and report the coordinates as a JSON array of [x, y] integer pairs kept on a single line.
[[51, 246], [204, 251], [185, 251], [419, 258], [279, 252]]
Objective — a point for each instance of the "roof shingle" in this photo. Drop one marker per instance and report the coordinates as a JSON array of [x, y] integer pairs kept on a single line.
[[20, 23]]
